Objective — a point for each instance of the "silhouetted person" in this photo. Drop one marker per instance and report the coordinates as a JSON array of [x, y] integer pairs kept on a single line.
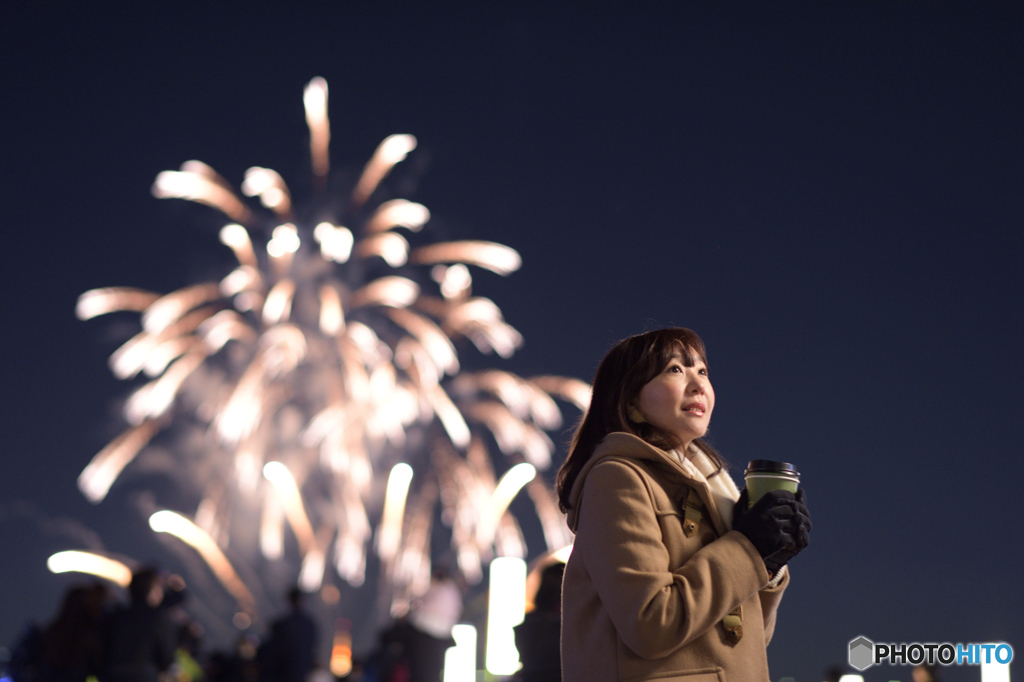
[[236, 666], [26, 655], [287, 655], [142, 638], [538, 637], [72, 645], [833, 674], [412, 650]]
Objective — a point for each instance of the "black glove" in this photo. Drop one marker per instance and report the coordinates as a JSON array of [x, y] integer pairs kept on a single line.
[[778, 525]]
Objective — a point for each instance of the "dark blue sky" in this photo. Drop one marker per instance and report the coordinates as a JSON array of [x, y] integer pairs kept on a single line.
[[831, 196]]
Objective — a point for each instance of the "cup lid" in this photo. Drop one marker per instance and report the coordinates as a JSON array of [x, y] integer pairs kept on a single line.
[[767, 466]]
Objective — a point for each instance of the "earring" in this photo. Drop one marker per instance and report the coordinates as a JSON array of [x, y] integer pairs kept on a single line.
[[635, 416]]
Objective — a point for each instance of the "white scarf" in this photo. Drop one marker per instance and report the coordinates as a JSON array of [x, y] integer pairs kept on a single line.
[[700, 467]]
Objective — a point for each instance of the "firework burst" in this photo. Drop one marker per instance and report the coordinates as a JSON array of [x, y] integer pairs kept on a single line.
[[317, 387]]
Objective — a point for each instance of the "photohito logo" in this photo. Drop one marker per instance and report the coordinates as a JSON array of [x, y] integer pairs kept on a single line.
[[864, 653]]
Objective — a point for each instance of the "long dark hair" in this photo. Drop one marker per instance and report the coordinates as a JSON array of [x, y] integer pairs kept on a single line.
[[626, 369]]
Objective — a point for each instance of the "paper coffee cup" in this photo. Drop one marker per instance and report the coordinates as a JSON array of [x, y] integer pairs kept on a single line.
[[764, 475]]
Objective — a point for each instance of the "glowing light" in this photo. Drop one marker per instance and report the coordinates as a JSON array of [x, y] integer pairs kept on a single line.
[[269, 187], [314, 366], [480, 320], [393, 248], [155, 398], [96, 479], [330, 594], [397, 292], [394, 511], [508, 487], [332, 318], [186, 531], [556, 532], [101, 301], [506, 606], [460, 660], [311, 575], [575, 391], [271, 531], [398, 213], [278, 305], [341, 650], [291, 498], [455, 280], [515, 435], [449, 415], [314, 97], [335, 242], [494, 257], [284, 241], [393, 149], [194, 186], [91, 564], [168, 309], [434, 340], [563, 554], [994, 671]]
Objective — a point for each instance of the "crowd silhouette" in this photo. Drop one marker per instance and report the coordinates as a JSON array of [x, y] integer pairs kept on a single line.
[[95, 637]]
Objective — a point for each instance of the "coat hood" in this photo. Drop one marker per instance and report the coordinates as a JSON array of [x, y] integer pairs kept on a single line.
[[627, 445]]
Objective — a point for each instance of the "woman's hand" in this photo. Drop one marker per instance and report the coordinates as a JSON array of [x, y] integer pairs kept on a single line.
[[779, 525]]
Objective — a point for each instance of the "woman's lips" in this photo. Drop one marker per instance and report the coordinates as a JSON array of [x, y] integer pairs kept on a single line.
[[695, 408]]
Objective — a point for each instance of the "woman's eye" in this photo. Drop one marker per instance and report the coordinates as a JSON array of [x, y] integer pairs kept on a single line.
[[675, 368], [703, 371]]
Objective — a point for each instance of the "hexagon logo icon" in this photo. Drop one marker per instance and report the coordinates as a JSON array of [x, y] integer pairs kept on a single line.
[[862, 653]]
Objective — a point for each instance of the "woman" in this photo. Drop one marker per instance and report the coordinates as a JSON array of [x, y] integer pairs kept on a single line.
[[663, 582]]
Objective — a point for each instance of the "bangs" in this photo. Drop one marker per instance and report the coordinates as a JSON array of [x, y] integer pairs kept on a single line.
[[684, 352], [678, 342]]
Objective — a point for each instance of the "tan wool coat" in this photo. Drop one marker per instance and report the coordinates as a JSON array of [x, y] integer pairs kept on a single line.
[[642, 598]]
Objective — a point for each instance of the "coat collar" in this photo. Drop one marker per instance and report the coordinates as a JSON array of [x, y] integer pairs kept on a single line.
[[627, 445]]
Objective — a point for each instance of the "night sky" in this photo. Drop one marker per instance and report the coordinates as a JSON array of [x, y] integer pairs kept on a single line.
[[832, 196]]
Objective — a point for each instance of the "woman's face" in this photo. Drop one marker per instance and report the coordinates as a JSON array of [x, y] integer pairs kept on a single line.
[[679, 399]]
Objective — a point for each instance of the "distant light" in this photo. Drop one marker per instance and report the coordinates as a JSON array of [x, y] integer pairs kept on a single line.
[[285, 240], [851, 678], [497, 258], [269, 187], [460, 660], [311, 575], [235, 236], [291, 499], [314, 97], [563, 554], [91, 564], [175, 524], [394, 511], [392, 150], [241, 620], [341, 650], [335, 242], [509, 485], [506, 607], [994, 671], [399, 213], [330, 594], [96, 479]]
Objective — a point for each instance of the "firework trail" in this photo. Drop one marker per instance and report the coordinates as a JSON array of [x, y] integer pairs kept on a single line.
[[320, 389]]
